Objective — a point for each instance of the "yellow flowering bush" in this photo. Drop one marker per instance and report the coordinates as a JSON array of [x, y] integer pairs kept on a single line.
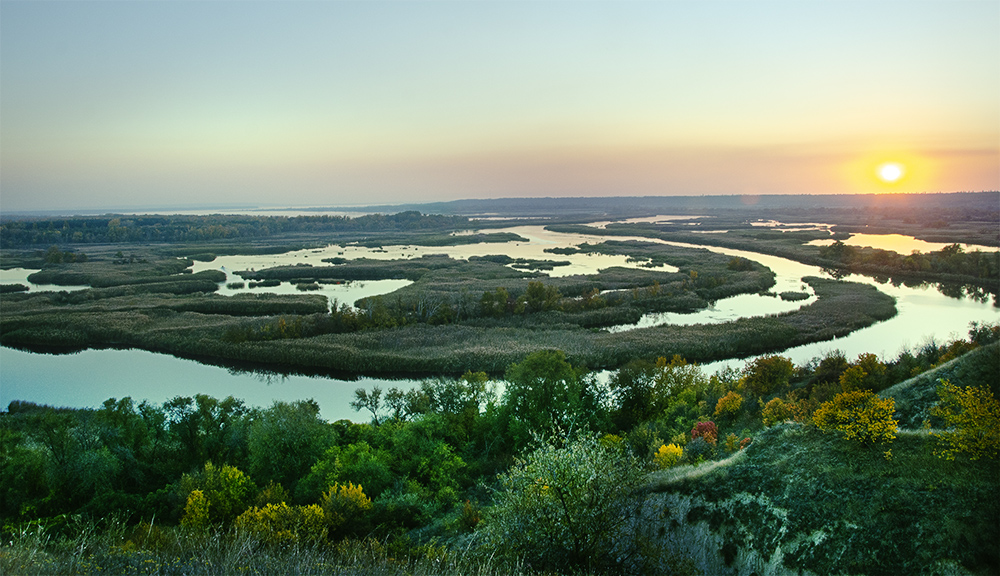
[[344, 503], [195, 511], [858, 415], [973, 417], [668, 455], [283, 525]]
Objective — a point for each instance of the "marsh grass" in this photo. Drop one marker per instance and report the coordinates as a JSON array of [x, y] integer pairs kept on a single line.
[[112, 547], [163, 325]]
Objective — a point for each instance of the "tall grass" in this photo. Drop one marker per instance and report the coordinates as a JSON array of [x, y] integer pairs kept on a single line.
[[117, 548]]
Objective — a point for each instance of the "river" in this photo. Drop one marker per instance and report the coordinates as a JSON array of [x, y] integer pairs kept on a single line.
[[87, 378]]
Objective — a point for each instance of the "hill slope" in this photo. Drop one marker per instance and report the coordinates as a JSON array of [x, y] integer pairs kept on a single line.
[[798, 501]]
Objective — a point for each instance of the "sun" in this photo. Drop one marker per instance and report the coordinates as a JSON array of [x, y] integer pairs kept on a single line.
[[890, 172]]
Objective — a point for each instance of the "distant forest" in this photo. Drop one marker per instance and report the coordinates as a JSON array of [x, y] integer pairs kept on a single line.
[[952, 217]]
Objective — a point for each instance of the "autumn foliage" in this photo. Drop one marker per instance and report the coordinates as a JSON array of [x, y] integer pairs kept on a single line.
[[973, 417], [775, 411], [668, 455], [729, 405], [706, 430], [858, 415]]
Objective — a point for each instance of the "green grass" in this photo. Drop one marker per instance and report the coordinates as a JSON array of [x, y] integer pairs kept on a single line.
[[914, 397]]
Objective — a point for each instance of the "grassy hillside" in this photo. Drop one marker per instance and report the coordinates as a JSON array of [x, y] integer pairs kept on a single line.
[[799, 501], [914, 397]]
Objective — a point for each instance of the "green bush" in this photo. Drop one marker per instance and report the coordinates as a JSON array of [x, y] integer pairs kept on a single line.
[[568, 507]]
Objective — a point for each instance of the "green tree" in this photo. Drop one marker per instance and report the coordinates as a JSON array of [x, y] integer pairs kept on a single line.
[[546, 392], [227, 491], [494, 304], [537, 298], [23, 482], [358, 463], [371, 401], [767, 374], [670, 389], [286, 440]]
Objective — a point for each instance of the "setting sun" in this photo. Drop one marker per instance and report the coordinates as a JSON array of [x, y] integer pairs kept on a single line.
[[890, 172]]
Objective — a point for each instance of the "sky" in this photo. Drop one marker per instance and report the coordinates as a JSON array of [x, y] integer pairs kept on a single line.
[[318, 103]]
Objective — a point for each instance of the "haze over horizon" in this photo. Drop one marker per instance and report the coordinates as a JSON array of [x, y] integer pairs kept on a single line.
[[113, 104]]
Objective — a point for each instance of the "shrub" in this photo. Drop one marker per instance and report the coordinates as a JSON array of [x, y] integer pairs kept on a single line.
[[775, 411], [196, 511], [345, 508], [705, 430], [283, 525], [698, 449], [567, 507], [668, 455], [729, 405], [858, 415], [973, 416]]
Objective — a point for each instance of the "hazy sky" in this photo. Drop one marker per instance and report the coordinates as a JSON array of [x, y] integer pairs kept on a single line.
[[119, 104]]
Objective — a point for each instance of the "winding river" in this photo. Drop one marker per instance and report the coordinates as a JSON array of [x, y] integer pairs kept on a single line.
[[87, 378]]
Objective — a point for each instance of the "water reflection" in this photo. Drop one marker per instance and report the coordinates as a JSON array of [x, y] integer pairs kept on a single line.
[[88, 378], [899, 243], [20, 276]]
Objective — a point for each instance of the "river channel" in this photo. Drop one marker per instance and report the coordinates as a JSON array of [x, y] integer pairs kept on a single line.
[[87, 378]]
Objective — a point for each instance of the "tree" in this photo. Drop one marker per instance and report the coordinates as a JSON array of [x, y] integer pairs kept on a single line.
[[358, 463], [538, 297], [706, 430], [286, 440], [729, 405], [775, 411], [545, 392], [632, 386], [371, 401], [875, 371], [568, 507], [494, 303], [860, 416], [972, 415], [226, 490], [767, 374], [643, 391]]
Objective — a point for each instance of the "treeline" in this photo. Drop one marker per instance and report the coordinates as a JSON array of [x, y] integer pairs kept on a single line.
[[952, 260], [424, 469], [183, 228]]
